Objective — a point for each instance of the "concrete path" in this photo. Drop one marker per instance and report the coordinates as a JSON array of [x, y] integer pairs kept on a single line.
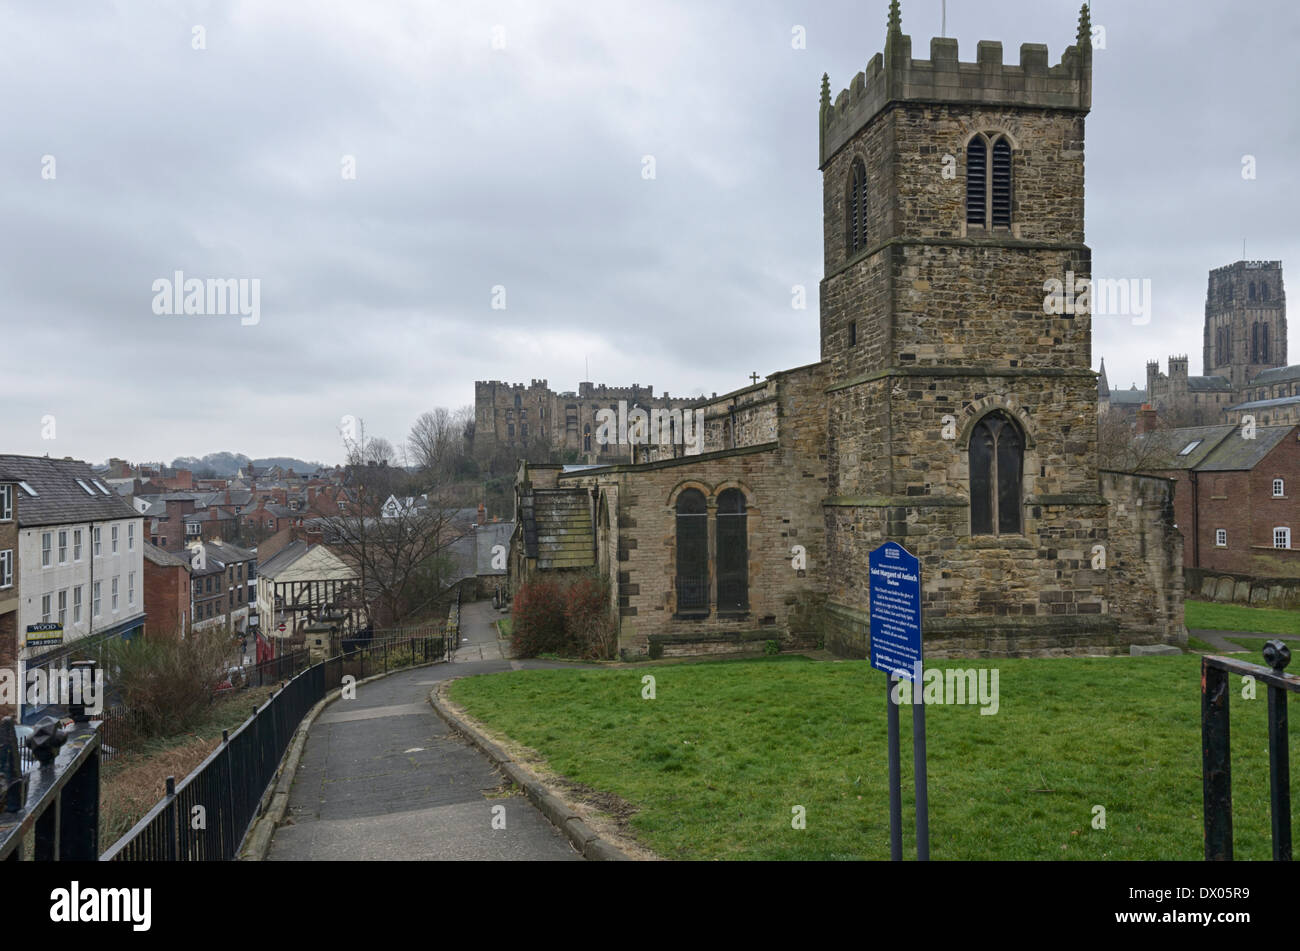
[[1219, 640], [382, 777]]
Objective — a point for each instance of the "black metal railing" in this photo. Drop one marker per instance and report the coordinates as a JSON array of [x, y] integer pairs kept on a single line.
[[206, 816], [57, 805], [1217, 755]]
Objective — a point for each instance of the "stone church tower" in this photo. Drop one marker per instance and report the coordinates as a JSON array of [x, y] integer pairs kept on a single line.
[[1245, 322], [962, 411]]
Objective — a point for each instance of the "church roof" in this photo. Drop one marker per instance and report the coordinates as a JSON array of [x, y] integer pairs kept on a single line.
[[1103, 387], [1277, 375], [1209, 384], [1268, 404], [1134, 397]]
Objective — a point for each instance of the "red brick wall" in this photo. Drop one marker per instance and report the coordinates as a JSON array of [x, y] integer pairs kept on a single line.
[[1243, 504], [166, 599]]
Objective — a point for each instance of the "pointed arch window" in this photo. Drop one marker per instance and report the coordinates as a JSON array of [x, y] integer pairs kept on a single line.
[[989, 185], [692, 552], [857, 208], [1254, 340], [1263, 343], [733, 552], [997, 451]]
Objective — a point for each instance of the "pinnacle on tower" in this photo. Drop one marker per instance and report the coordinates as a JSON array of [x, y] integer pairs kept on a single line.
[[826, 90], [895, 18], [1085, 28]]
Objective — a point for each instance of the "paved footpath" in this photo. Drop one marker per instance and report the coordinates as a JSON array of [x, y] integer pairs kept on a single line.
[[382, 777]]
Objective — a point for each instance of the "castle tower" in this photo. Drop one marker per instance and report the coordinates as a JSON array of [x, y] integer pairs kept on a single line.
[[1245, 321], [963, 407]]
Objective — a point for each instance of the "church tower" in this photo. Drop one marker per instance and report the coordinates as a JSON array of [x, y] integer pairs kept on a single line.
[[1245, 322], [962, 404]]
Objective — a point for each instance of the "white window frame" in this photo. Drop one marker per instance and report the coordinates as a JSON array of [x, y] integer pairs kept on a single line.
[[76, 605], [1279, 488], [1220, 538], [130, 589], [97, 541], [7, 568], [63, 607], [114, 592], [76, 544], [96, 601], [47, 549], [130, 536], [6, 503], [1282, 534], [63, 546], [115, 534], [46, 608]]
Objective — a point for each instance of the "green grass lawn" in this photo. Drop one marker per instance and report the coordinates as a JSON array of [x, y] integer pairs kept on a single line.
[[715, 764], [1239, 617], [505, 626]]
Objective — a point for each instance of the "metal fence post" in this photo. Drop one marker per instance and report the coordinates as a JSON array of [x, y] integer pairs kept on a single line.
[[169, 850]]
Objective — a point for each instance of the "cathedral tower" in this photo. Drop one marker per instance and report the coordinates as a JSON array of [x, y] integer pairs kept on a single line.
[[1245, 322]]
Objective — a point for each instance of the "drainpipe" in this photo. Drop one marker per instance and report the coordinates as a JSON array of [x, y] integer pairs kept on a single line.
[[1196, 519]]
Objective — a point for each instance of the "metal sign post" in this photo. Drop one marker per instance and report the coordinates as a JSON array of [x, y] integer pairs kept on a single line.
[[895, 586]]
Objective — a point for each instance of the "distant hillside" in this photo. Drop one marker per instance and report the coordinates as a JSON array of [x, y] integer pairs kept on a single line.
[[222, 465]]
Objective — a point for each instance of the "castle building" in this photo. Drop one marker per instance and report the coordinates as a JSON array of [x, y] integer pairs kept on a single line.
[[949, 412], [1245, 372], [518, 417]]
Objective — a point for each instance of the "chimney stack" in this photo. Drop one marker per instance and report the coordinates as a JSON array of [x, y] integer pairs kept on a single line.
[[1146, 419]]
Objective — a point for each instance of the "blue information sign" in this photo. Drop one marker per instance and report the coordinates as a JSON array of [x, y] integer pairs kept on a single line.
[[895, 610]]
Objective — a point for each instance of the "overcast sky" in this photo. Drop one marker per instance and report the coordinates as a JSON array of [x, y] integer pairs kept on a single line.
[[522, 167]]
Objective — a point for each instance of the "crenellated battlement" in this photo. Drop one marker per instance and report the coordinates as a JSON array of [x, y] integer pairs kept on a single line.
[[895, 76]]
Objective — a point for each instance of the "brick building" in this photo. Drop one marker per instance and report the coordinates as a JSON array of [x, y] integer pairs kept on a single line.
[[1236, 501], [166, 592], [949, 412]]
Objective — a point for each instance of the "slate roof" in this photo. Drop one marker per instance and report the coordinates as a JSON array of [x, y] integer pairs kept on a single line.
[[1244, 454], [488, 535], [1277, 375], [1222, 448], [1132, 397], [162, 557], [228, 553], [557, 528], [1174, 441], [1268, 404], [59, 499], [1208, 384], [283, 558]]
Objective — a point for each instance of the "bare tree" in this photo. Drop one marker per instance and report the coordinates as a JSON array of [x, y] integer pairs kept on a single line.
[[398, 553], [439, 441]]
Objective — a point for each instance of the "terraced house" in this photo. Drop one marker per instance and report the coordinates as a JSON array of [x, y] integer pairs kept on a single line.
[[80, 557]]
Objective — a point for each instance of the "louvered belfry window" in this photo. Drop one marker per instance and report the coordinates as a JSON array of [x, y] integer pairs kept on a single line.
[[977, 171], [857, 211], [996, 462], [988, 182], [692, 551], [1002, 183], [733, 552]]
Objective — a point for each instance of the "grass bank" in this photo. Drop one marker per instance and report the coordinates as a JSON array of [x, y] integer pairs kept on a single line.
[[714, 766]]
